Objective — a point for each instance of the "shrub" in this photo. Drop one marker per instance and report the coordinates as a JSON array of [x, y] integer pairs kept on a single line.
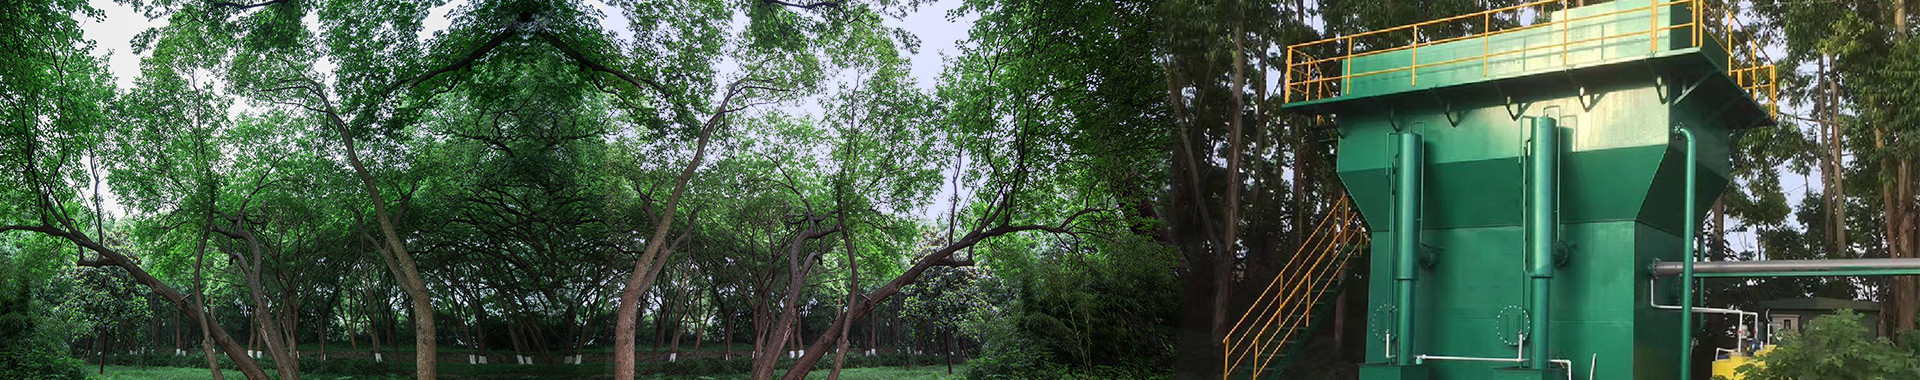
[[29, 345], [1835, 347]]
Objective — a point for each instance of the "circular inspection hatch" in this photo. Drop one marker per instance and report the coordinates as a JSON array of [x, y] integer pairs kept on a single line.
[[1511, 322]]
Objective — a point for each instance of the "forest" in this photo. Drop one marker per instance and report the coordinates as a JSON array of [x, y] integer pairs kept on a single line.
[[765, 189]]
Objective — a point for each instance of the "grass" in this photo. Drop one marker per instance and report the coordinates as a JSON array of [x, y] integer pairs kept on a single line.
[[923, 372], [116, 372], [407, 348], [878, 373]]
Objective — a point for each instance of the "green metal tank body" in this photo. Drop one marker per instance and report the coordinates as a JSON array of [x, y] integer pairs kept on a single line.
[[1620, 185]]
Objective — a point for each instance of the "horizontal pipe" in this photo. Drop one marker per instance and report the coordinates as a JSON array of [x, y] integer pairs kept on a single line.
[[1564, 363], [1793, 268], [1837, 273], [1423, 358], [1739, 315]]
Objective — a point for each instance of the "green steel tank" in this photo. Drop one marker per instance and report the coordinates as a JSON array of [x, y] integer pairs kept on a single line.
[[1520, 180]]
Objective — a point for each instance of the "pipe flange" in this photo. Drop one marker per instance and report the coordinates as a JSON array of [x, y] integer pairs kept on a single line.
[[1511, 323]]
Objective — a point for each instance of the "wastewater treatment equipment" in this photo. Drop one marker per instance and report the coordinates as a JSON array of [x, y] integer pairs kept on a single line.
[[1529, 177]]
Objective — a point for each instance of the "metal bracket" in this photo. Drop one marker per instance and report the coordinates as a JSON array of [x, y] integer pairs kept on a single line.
[[1447, 108], [1659, 81], [1684, 93], [1563, 252], [1516, 110], [1393, 115], [1586, 104], [1513, 112]]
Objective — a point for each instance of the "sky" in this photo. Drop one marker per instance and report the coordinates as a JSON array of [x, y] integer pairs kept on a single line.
[[938, 35]]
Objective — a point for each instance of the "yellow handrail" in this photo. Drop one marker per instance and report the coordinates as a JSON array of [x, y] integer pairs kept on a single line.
[[1285, 307], [1747, 62]]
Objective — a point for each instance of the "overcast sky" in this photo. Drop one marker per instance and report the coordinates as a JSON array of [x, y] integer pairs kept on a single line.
[[937, 34]]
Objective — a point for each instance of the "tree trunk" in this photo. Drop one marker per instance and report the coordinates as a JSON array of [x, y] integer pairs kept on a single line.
[[1905, 285], [373, 325], [325, 320], [1905, 292], [726, 333], [873, 334], [786, 327], [403, 268], [102, 346], [1896, 196], [266, 328], [1831, 163], [199, 295], [648, 265], [1230, 221]]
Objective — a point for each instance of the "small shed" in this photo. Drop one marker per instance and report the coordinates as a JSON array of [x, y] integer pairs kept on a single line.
[[1794, 313]]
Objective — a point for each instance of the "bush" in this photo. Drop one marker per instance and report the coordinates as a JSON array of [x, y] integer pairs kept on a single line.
[[29, 344], [1077, 315], [26, 361], [1835, 347]]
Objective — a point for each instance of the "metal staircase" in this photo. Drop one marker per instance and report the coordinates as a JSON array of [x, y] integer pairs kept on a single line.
[[1284, 314]]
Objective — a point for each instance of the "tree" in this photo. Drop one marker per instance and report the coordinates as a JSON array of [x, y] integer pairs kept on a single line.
[[55, 96], [1048, 121], [1860, 82]]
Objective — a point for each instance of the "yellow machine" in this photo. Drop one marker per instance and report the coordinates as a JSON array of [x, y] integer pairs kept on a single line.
[[1729, 368]]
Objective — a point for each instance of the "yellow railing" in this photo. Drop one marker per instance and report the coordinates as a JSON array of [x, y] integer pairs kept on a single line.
[[1747, 62], [1285, 308]]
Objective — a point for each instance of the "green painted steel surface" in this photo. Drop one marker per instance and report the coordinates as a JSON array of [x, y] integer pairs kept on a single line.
[[1612, 32], [1621, 187]]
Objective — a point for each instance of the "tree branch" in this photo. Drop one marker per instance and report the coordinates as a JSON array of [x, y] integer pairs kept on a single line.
[[240, 6], [809, 6], [475, 55]]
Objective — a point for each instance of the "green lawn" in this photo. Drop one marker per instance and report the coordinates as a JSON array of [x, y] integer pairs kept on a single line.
[[408, 348], [115, 372], [883, 373], [900, 373]]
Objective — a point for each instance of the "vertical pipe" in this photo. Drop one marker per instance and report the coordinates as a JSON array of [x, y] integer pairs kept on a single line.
[[1686, 261], [1406, 238], [1541, 225]]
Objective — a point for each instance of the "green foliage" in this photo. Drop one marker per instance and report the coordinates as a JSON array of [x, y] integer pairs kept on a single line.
[[1084, 308], [1835, 347], [31, 340]]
